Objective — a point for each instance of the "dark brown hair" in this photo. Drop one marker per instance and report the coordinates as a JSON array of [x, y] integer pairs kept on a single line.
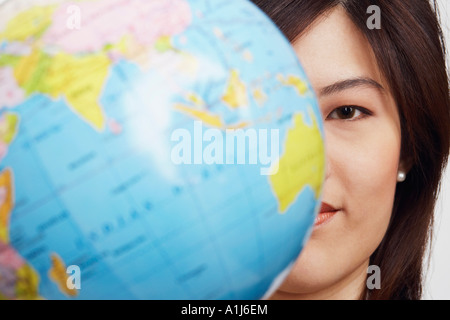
[[410, 52]]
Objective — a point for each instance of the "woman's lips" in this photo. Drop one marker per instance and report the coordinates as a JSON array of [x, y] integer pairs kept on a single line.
[[326, 213]]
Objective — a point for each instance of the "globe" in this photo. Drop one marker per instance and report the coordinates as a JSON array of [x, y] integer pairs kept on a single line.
[[152, 150]]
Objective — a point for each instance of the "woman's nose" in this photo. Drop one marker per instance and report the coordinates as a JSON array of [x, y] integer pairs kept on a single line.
[[327, 156]]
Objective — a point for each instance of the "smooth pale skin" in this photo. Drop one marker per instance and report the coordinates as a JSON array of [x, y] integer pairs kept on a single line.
[[363, 160]]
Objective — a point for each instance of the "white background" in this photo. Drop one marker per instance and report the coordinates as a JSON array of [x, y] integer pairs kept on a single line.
[[438, 276], [437, 284]]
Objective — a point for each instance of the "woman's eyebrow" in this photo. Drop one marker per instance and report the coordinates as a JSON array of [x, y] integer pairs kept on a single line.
[[350, 84]]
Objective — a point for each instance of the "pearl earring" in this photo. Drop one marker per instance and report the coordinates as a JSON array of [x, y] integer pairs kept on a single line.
[[401, 176]]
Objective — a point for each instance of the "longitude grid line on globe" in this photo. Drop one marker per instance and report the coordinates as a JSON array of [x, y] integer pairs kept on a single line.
[[215, 243]]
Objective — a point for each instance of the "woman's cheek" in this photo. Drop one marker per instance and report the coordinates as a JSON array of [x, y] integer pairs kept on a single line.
[[368, 174]]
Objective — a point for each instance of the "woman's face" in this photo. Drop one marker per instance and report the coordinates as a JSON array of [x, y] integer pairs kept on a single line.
[[362, 138]]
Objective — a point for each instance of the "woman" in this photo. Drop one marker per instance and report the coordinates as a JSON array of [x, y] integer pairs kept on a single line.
[[384, 97]]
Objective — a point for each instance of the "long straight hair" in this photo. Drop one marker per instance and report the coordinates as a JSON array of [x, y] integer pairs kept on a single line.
[[410, 52]]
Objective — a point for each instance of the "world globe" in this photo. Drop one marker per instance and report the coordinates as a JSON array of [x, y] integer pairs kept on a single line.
[[152, 150]]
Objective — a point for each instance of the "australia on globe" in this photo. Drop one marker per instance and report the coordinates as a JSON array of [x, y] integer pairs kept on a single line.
[[152, 149]]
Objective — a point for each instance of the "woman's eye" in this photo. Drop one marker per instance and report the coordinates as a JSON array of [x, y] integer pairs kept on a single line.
[[348, 113]]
